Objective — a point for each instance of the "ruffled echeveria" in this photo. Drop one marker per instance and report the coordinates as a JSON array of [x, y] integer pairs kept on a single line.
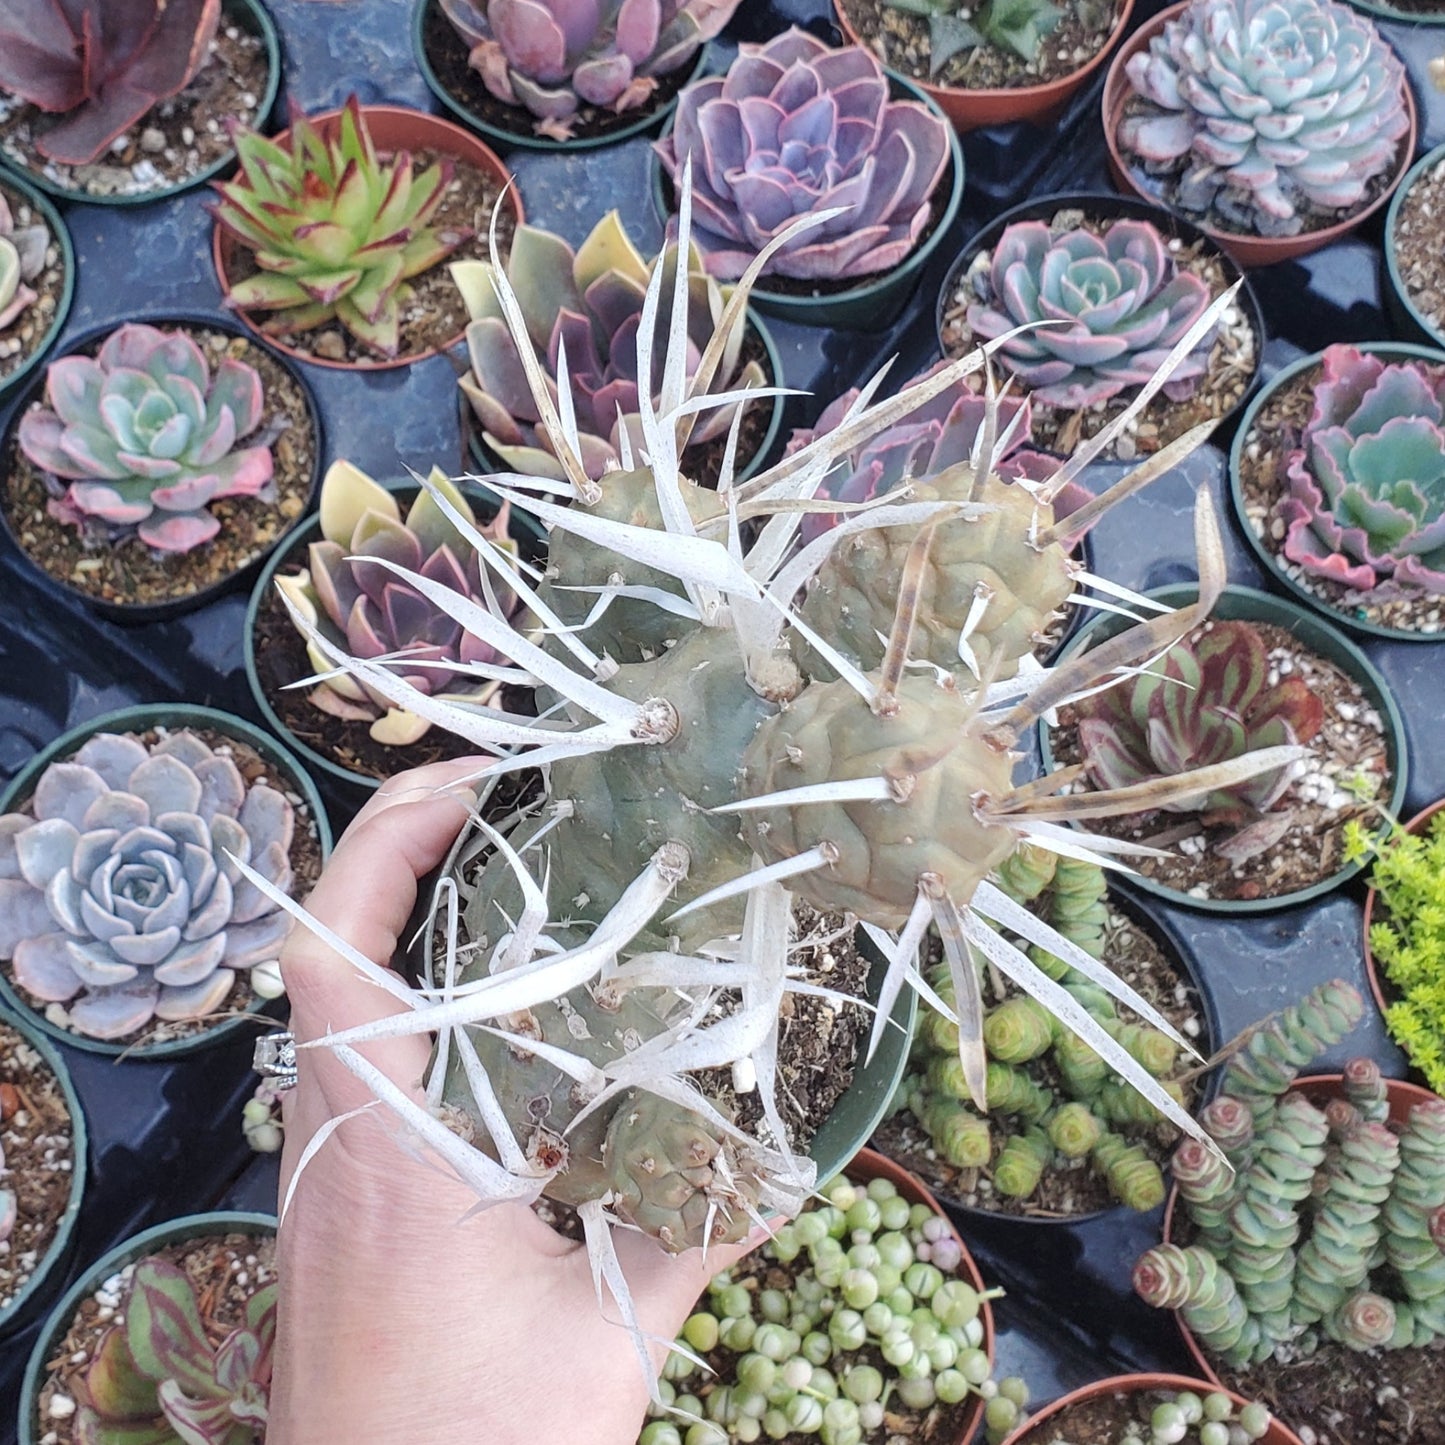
[[355, 605], [1124, 301], [100, 65], [554, 56], [1366, 500], [795, 128], [1264, 109], [119, 898], [22, 259], [146, 434], [588, 302]]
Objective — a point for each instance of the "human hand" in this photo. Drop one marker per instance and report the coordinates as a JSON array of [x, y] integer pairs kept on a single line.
[[400, 1319]]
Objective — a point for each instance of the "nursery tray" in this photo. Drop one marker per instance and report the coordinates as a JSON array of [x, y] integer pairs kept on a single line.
[[166, 1137]]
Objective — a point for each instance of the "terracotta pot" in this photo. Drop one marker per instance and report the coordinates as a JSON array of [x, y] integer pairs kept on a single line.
[[1037, 104], [1417, 824], [393, 128], [1277, 1434], [1249, 251]]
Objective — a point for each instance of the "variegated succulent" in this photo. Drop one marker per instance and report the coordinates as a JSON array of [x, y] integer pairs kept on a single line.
[[1208, 699], [555, 56], [1366, 484], [357, 590], [1270, 116], [586, 305], [1124, 301], [335, 228], [100, 65], [22, 259], [147, 436], [794, 129], [120, 895]]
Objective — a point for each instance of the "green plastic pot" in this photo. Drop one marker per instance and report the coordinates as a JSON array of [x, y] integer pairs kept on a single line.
[[27, 1304], [138, 719], [149, 1241], [248, 15], [35, 197], [1250, 605], [875, 301], [647, 122], [1391, 351], [1408, 319]]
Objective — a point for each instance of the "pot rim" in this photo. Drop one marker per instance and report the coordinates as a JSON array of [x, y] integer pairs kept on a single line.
[[35, 196], [1428, 161], [1373, 973]]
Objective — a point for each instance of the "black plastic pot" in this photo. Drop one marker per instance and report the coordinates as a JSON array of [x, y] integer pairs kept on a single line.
[[33, 196], [149, 1241], [1410, 322], [249, 15], [1271, 560], [1247, 604], [138, 719], [135, 614]]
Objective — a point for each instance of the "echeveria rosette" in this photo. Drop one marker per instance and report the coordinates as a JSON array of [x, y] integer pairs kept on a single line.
[[366, 611], [795, 128], [1124, 300], [588, 303], [119, 898], [22, 259], [1366, 486], [554, 56], [1204, 702], [1267, 108], [146, 435]]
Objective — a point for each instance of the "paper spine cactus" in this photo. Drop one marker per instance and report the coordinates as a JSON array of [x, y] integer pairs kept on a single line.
[[351, 593], [146, 435], [1123, 298], [336, 229], [120, 895], [159, 1378], [1365, 499], [100, 66], [22, 260], [584, 308], [1274, 114], [795, 129]]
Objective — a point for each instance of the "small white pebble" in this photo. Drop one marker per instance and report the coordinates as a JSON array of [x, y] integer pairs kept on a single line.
[[62, 1407]]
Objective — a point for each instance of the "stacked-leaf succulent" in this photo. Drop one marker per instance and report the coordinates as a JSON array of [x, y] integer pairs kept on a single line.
[[870, 1278], [1365, 486], [23, 250], [159, 1379], [1289, 1248]]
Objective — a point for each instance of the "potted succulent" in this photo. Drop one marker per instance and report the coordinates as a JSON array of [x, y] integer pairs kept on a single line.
[[167, 1338], [1288, 182], [126, 113], [1264, 673], [1324, 1304], [331, 238], [1331, 476], [43, 1159], [1415, 293], [125, 924], [991, 63], [1131, 279], [897, 167], [37, 279], [152, 467], [561, 76]]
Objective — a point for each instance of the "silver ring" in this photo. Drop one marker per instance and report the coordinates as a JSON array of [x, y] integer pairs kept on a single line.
[[274, 1058]]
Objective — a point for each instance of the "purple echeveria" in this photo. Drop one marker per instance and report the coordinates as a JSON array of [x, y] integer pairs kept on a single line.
[[118, 896], [1125, 302], [553, 56], [1366, 499], [22, 259], [795, 128], [147, 436]]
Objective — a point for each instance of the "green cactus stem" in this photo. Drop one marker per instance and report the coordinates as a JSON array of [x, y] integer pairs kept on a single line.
[[1195, 1283], [1132, 1176], [1021, 1163]]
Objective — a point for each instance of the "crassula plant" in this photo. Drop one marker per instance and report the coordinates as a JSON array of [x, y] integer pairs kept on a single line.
[[157, 1378], [100, 65], [145, 435], [22, 259], [583, 309], [795, 129], [1365, 499], [369, 589], [335, 229], [122, 897], [555, 57], [1269, 116]]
